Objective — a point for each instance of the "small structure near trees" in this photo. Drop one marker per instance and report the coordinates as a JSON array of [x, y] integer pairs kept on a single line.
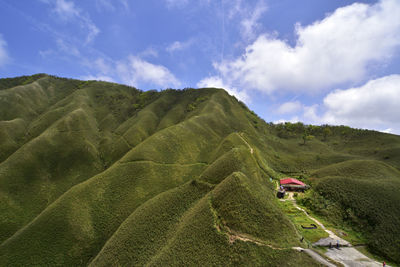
[[312, 226], [281, 193], [291, 184]]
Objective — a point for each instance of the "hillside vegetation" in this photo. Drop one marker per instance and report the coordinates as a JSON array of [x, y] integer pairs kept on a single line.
[[102, 174]]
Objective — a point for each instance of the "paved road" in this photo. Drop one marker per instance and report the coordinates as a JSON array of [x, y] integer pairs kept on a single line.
[[351, 257], [315, 256]]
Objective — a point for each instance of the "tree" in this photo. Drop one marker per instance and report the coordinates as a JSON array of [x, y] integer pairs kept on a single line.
[[326, 132], [306, 137]]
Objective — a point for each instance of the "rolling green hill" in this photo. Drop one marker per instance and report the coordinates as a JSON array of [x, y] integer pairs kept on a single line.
[[102, 174]]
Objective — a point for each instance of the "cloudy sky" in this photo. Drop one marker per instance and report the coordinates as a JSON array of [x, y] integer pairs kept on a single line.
[[335, 62]]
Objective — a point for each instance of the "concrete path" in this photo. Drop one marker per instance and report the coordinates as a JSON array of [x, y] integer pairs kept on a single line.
[[329, 241], [349, 256], [315, 256]]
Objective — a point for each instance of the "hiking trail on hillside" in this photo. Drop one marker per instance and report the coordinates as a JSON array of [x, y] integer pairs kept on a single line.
[[244, 140], [234, 235]]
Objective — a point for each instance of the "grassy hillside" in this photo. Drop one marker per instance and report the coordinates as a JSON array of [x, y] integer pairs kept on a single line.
[[101, 174], [362, 194], [355, 176]]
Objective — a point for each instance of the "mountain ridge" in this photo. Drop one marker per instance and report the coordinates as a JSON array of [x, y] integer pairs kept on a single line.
[[87, 155]]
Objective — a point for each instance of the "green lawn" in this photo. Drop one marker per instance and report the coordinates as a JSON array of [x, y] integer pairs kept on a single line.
[[298, 218]]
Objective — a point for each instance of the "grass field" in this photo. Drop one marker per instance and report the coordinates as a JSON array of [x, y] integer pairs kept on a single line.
[[299, 218], [102, 174]]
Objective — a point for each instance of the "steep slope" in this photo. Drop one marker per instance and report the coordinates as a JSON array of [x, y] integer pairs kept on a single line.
[[100, 174], [101, 161]]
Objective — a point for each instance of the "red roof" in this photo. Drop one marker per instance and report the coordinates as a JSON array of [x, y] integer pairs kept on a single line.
[[291, 181]]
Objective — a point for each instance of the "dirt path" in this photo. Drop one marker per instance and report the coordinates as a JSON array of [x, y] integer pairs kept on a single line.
[[221, 227], [233, 236], [241, 137]]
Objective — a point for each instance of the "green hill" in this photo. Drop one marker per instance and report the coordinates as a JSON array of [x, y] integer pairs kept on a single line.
[[102, 174]]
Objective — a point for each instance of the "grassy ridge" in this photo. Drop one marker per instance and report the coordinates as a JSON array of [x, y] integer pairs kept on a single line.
[[104, 174], [142, 234], [243, 207], [138, 146], [197, 242], [73, 229]]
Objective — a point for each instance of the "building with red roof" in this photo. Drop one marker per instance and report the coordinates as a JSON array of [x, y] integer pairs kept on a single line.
[[291, 184]]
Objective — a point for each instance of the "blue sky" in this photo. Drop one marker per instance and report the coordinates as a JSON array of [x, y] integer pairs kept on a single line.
[[335, 62]]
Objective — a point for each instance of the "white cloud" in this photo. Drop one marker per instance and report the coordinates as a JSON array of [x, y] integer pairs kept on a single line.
[[149, 52], [290, 107], [216, 82], [102, 66], [248, 15], [292, 120], [46, 53], [183, 3], [67, 48], [111, 5], [104, 5], [98, 78], [93, 31], [249, 24], [176, 3], [177, 46], [66, 11], [388, 130], [374, 103], [335, 50], [311, 114], [174, 46], [135, 71], [125, 4], [3, 52], [235, 7]]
